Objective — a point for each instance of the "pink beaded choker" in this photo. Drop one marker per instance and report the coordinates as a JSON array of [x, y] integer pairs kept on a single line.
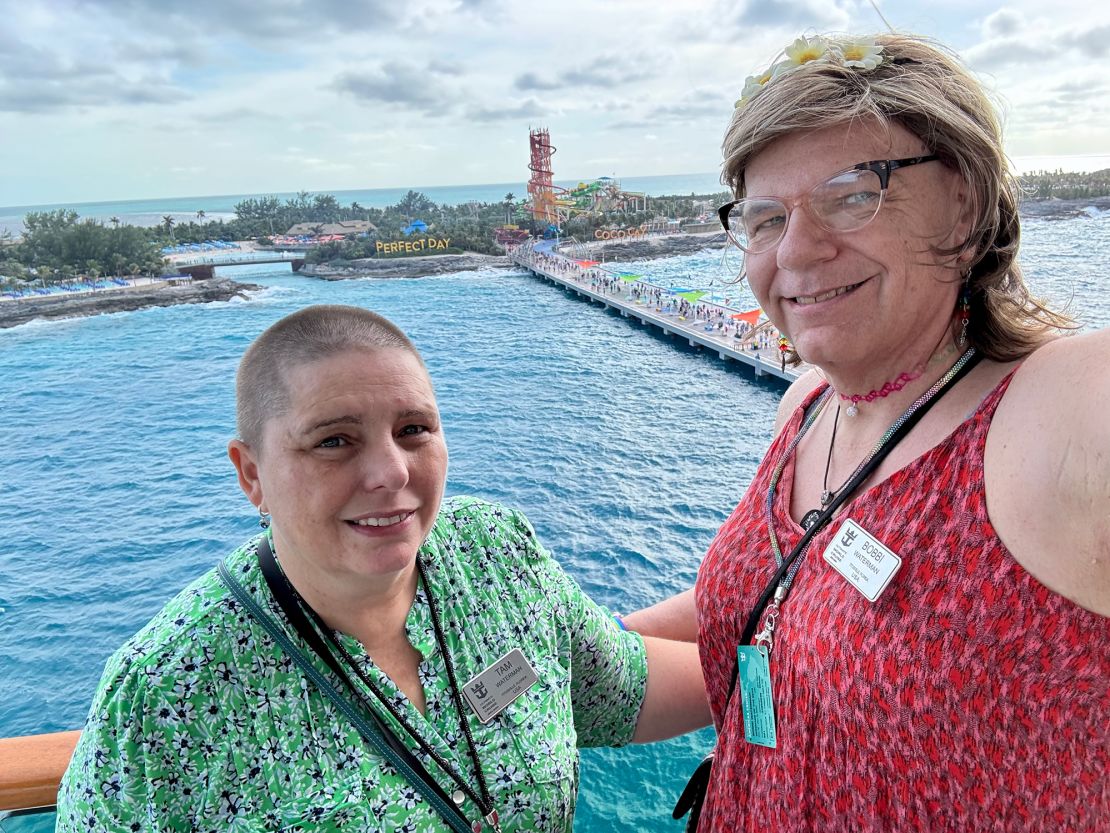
[[886, 390], [893, 386]]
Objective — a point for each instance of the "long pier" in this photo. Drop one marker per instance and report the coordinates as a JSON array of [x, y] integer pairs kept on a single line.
[[764, 362]]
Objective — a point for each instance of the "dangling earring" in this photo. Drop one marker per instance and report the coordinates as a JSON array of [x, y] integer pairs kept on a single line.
[[785, 347], [964, 309], [263, 519]]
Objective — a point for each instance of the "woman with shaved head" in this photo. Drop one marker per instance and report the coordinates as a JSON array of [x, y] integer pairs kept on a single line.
[[378, 658]]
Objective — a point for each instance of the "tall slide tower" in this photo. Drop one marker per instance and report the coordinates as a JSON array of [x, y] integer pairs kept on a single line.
[[540, 187]]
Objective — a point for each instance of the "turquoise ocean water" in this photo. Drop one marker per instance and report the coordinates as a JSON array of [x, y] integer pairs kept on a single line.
[[626, 450], [150, 212]]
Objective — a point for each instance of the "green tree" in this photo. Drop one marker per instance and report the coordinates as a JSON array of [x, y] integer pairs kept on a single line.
[[414, 204], [57, 244], [168, 223], [325, 208]]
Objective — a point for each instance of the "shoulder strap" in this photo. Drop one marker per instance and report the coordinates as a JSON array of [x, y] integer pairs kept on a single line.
[[377, 736]]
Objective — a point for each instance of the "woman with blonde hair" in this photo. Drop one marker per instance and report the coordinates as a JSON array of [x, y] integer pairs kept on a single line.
[[903, 625]]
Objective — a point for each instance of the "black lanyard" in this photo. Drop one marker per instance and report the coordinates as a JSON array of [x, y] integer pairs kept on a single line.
[[693, 795], [293, 604], [860, 476]]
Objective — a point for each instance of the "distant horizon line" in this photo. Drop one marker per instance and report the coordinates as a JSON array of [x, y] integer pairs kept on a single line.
[[1019, 168], [418, 188]]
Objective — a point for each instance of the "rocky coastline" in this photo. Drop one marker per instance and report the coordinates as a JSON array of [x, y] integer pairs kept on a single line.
[[1054, 209], [389, 268], [650, 248], [80, 304], [645, 248]]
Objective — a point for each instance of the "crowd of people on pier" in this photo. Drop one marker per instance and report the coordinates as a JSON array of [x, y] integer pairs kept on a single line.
[[712, 318]]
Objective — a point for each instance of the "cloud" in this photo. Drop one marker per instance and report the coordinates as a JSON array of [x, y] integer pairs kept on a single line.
[[603, 71], [80, 53], [532, 81], [402, 84], [996, 54], [230, 116], [1080, 89], [38, 78], [633, 124], [692, 110], [1033, 46], [1003, 23], [44, 95], [1091, 42], [528, 109], [290, 19], [699, 105], [795, 14]]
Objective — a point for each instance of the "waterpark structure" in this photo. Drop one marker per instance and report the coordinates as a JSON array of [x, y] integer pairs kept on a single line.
[[551, 205]]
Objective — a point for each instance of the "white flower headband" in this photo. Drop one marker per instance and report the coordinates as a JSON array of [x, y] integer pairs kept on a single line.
[[862, 54]]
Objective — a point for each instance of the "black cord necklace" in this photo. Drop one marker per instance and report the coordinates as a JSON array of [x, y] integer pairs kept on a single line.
[[483, 800], [827, 495]]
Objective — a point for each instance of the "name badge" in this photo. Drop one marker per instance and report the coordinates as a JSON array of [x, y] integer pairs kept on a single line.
[[492, 690], [862, 559]]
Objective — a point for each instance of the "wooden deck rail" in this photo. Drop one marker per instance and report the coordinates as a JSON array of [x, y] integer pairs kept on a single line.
[[31, 768]]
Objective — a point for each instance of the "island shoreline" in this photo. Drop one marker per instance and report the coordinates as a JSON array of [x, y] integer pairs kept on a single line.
[[17, 311]]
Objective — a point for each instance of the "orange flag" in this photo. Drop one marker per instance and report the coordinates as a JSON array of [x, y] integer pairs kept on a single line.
[[751, 316]]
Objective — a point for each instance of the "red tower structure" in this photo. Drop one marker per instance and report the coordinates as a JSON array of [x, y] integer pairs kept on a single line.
[[540, 186]]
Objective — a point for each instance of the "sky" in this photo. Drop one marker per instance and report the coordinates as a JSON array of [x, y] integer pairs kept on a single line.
[[139, 99]]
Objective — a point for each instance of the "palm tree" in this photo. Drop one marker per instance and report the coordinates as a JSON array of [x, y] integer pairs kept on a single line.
[[510, 198], [114, 221], [201, 214], [168, 222]]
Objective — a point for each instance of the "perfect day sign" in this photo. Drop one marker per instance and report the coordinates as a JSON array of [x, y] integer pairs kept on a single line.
[[413, 247]]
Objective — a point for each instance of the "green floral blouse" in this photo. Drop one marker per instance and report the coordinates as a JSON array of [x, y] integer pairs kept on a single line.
[[202, 722]]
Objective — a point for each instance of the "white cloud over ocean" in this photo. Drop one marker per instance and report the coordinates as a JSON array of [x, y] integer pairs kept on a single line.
[[128, 99]]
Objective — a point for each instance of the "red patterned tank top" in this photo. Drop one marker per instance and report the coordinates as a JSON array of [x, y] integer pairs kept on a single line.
[[968, 697]]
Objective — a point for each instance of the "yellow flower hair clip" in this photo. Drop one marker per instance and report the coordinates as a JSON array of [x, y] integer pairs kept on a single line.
[[858, 53]]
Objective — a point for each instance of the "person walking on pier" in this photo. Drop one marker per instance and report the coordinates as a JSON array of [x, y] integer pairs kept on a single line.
[[905, 623]]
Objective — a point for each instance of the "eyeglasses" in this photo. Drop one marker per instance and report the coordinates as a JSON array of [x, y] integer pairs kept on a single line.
[[846, 201]]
